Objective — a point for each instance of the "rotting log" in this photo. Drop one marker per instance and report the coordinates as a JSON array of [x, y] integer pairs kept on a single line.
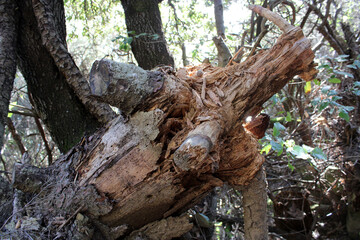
[[179, 137]]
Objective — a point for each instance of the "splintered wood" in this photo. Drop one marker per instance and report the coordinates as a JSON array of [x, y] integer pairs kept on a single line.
[[195, 140]]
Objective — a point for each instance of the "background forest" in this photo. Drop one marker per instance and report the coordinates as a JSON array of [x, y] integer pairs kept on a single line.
[[312, 145]]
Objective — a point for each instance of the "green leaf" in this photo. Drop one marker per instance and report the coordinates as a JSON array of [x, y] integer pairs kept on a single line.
[[325, 89], [9, 114], [12, 105], [351, 66], [318, 153], [299, 152], [288, 117], [277, 128], [324, 66], [155, 36], [307, 148], [332, 92], [357, 63], [323, 105], [344, 73], [289, 143], [347, 108], [128, 40], [307, 87], [334, 80], [230, 37], [266, 149], [342, 58], [203, 220], [277, 147], [317, 82], [344, 115], [291, 166]]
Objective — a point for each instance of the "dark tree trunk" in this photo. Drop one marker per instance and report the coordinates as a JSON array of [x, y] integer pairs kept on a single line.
[[55, 102], [8, 36], [6, 197], [143, 17]]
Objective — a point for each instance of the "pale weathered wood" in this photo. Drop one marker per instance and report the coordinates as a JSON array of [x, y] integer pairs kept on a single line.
[[123, 85], [197, 140], [183, 135]]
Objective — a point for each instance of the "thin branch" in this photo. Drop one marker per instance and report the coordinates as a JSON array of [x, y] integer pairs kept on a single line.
[[291, 5], [42, 133], [273, 17], [330, 34], [235, 56], [257, 43], [305, 18], [182, 42], [242, 42], [73, 215], [28, 114], [15, 136], [318, 45]]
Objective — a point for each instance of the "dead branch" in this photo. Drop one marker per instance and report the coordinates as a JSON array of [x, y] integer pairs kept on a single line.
[[43, 136], [15, 135]]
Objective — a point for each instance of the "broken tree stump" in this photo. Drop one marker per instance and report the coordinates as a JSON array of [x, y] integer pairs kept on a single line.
[[179, 136]]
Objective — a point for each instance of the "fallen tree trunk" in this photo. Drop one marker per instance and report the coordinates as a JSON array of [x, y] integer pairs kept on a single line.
[[179, 136]]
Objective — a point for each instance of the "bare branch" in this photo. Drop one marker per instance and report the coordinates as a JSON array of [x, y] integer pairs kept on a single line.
[[42, 133], [273, 17], [15, 135]]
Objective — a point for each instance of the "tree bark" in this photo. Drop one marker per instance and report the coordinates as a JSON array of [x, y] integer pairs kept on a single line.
[[219, 18], [6, 198], [55, 102], [8, 38], [224, 54], [142, 171], [8, 33], [255, 205], [149, 48]]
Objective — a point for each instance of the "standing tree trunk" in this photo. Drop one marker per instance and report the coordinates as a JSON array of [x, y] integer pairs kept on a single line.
[[255, 205], [61, 111], [8, 38], [8, 35], [143, 22], [224, 54], [219, 18]]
